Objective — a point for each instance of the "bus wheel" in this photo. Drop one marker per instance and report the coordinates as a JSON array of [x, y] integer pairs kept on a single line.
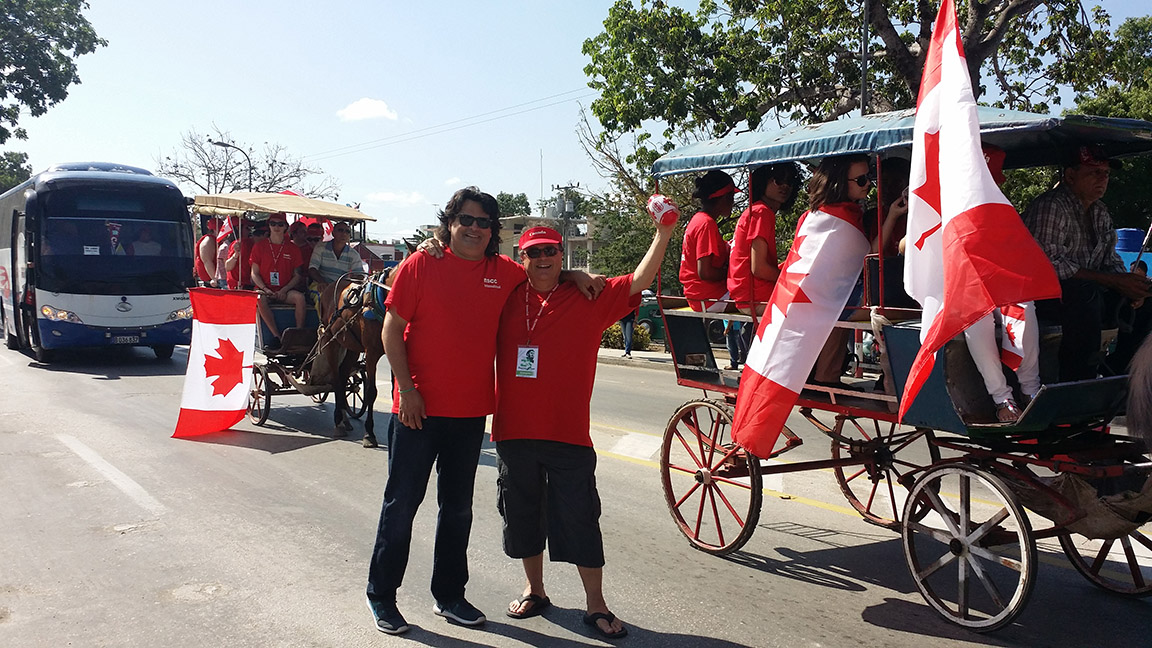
[[163, 351]]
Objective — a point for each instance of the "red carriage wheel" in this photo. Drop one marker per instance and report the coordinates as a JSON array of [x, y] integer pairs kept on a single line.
[[877, 488], [712, 486]]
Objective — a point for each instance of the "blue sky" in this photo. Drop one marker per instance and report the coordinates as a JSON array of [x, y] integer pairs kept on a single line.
[[283, 71]]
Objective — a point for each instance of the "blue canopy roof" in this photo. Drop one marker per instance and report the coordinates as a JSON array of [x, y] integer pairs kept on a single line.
[[1029, 140]]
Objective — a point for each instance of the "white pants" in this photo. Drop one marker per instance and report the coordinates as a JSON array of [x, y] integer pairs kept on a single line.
[[981, 338]]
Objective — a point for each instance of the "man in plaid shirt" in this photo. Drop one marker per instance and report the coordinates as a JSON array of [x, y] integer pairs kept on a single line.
[[1074, 229]]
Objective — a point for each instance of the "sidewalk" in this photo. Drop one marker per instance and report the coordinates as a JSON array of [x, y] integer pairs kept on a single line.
[[654, 359]]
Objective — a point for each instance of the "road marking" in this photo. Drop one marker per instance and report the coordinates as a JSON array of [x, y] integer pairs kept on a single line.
[[640, 446], [113, 474]]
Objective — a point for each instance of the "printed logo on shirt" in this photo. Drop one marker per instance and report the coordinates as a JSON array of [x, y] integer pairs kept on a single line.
[[491, 283]]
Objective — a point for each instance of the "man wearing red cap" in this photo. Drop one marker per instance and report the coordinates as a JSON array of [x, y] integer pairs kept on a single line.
[[1073, 227], [546, 353]]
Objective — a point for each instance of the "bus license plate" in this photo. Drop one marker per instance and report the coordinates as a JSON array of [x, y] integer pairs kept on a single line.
[[126, 339]]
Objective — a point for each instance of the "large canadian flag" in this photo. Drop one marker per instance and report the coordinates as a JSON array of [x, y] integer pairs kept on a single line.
[[968, 251], [219, 361], [815, 282]]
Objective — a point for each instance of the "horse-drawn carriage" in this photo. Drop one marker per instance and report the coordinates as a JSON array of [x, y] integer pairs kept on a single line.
[[963, 489], [307, 361]]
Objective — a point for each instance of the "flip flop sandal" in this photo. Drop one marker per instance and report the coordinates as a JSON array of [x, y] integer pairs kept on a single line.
[[591, 619], [539, 604]]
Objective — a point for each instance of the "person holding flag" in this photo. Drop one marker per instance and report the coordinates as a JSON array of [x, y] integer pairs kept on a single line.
[[967, 250], [814, 285]]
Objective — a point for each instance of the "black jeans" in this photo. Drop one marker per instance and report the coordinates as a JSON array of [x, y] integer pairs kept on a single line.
[[1083, 311], [453, 445]]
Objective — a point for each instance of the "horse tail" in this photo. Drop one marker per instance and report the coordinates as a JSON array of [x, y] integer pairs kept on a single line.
[[1140, 392]]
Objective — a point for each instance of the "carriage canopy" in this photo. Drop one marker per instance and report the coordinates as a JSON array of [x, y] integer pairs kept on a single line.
[[1028, 138]]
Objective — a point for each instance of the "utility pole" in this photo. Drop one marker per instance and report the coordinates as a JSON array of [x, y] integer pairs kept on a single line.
[[566, 210], [242, 152], [864, 60]]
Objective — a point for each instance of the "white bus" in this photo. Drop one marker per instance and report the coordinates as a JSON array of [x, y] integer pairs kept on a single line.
[[95, 254]]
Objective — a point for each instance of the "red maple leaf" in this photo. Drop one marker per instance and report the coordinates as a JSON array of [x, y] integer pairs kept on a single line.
[[1010, 332], [929, 192], [228, 368], [787, 291]]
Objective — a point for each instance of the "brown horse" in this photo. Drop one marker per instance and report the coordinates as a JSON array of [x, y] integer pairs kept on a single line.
[[355, 328]]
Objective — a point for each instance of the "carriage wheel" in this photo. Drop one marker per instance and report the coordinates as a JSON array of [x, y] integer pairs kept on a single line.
[[1121, 566], [319, 398], [354, 392], [260, 398], [712, 486], [969, 546], [876, 489]]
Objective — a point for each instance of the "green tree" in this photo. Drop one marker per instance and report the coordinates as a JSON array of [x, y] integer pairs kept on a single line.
[[1130, 96], [513, 205], [210, 169], [39, 40], [732, 64], [14, 169]]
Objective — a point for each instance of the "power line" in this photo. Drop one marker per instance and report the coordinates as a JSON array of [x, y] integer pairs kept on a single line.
[[441, 128]]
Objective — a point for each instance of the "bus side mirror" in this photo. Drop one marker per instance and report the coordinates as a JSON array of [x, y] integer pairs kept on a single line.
[[31, 209]]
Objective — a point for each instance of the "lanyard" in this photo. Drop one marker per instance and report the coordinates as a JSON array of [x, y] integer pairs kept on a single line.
[[531, 323], [277, 252]]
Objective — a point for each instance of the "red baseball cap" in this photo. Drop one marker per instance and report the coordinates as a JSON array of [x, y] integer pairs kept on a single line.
[[539, 236], [1091, 155], [278, 217], [994, 156]]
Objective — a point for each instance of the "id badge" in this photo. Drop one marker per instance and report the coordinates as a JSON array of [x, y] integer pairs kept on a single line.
[[274, 278], [527, 361]]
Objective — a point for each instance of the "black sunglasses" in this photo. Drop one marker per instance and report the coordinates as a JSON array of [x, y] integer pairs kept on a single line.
[[315, 239], [862, 180], [277, 224], [483, 222], [545, 251]]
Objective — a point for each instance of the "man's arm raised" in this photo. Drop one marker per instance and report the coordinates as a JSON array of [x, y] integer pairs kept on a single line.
[[650, 264]]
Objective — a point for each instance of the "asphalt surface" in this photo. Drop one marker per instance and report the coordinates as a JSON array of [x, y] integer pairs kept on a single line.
[[114, 534]]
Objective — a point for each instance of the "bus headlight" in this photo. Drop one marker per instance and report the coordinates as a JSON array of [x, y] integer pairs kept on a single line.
[[182, 314], [59, 315]]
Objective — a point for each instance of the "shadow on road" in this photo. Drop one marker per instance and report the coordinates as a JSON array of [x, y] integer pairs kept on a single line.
[[268, 442], [113, 363], [569, 619]]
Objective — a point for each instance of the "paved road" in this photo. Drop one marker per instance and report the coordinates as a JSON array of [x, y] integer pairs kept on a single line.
[[114, 534]]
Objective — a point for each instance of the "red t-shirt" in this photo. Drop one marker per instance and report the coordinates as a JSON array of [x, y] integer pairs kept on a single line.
[[554, 405], [241, 275], [201, 270], [452, 307], [743, 286], [702, 239], [283, 259]]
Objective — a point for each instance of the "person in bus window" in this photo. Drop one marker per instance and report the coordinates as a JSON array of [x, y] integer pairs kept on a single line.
[[144, 245]]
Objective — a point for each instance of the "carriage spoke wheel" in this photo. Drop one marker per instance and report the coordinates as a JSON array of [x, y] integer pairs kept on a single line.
[[877, 488], [712, 486], [969, 546], [260, 397], [1122, 565], [354, 393]]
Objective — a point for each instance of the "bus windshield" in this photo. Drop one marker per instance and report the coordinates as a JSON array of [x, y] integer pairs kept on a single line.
[[114, 242]]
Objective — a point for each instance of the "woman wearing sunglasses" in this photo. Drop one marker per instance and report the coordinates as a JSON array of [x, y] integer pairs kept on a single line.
[[836, 191]]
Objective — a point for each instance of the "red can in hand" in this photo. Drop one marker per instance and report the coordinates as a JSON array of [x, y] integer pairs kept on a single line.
[[663, 210]]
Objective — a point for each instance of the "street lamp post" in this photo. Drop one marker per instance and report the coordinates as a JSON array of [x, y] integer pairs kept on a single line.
[[242, 152]]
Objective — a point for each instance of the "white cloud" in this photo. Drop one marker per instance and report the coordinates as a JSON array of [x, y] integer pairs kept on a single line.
[[451, 182], [366, 109], [401, 198]]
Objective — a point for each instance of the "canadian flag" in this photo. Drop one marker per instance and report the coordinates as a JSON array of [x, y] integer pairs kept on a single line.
[[219, 361], [1012, 342], [968, 251], [815, 282]]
